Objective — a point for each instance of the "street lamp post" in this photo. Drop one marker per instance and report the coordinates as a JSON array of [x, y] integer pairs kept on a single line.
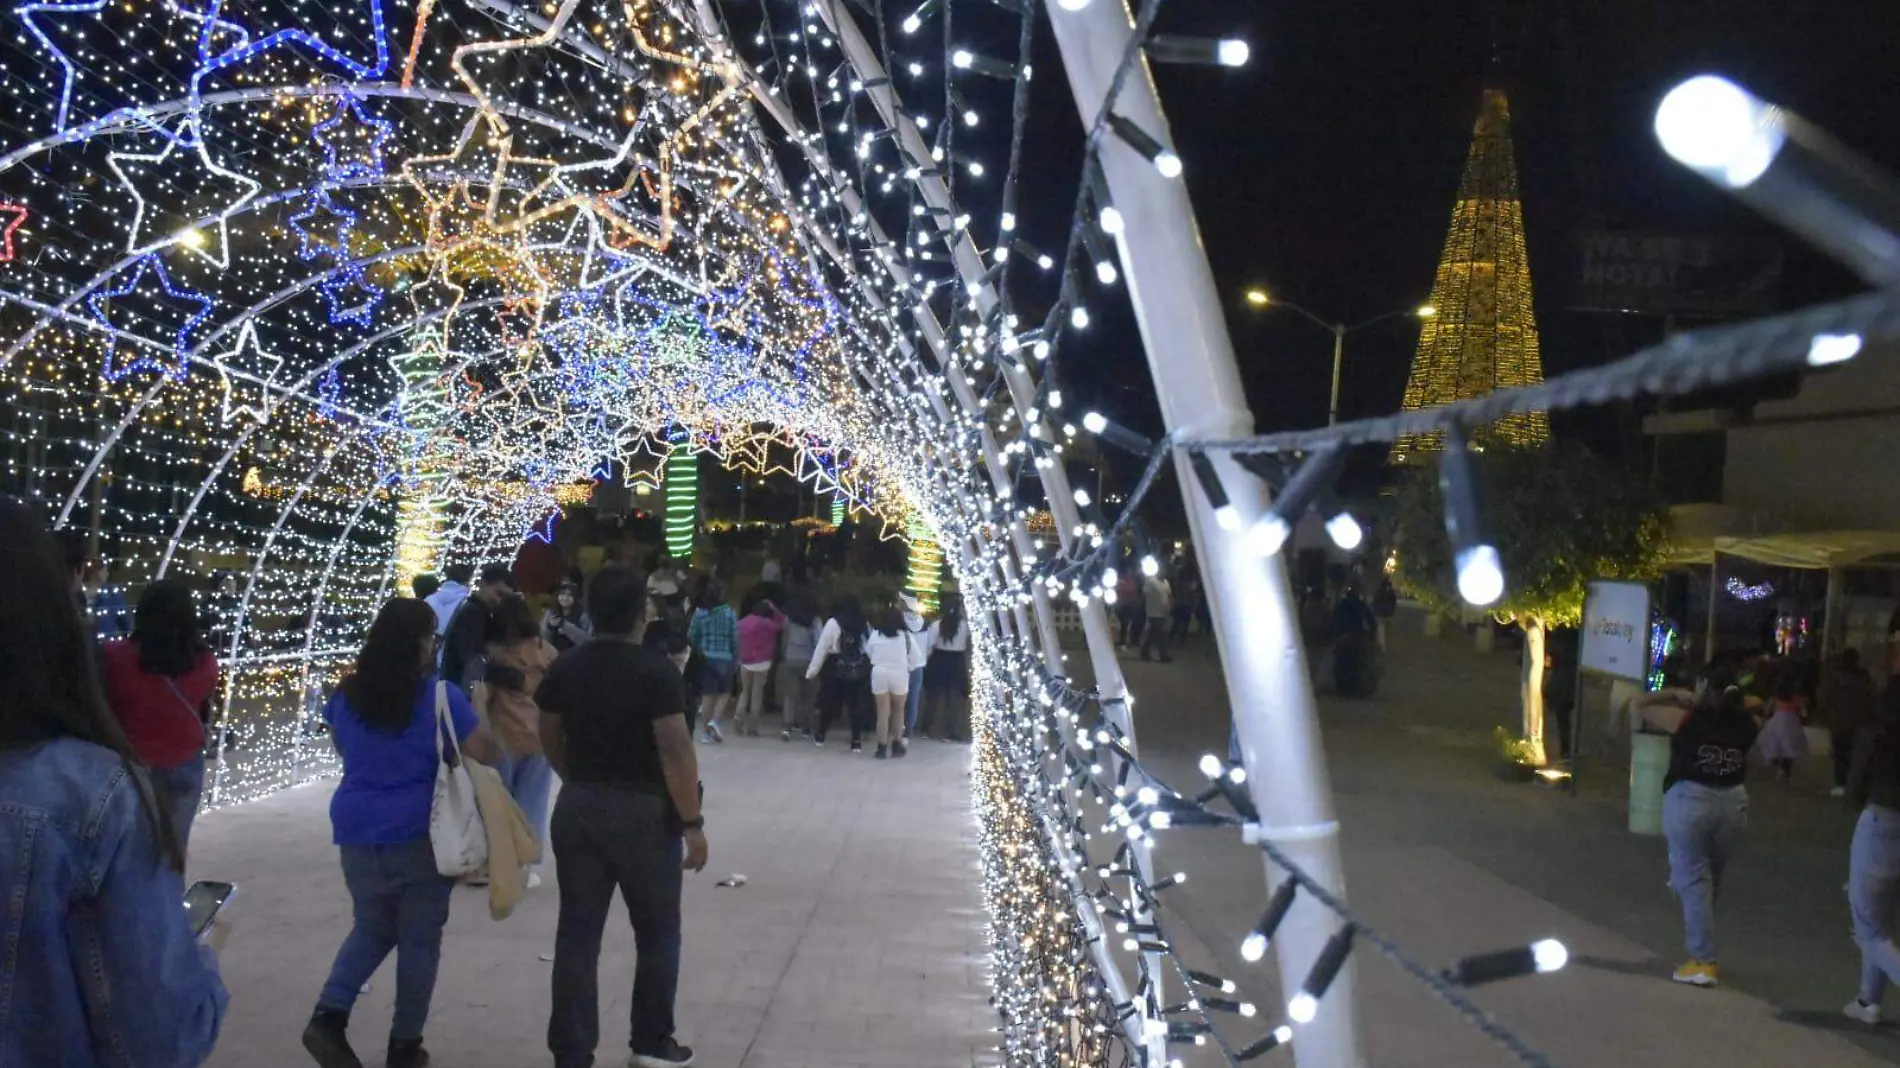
[[1259, 298]]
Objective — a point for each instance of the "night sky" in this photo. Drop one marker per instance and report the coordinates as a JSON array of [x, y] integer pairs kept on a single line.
[[1325, 170]]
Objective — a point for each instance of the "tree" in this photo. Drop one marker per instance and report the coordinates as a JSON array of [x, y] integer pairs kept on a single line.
[[1560, 518]]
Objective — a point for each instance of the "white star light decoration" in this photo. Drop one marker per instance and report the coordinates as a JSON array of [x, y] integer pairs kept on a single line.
[[190, 239], [256, 369]]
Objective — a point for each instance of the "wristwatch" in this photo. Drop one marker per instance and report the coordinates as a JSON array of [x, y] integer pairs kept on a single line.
[[698, 824]]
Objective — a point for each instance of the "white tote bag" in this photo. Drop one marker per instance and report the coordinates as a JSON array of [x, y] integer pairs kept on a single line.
[[455, 823]]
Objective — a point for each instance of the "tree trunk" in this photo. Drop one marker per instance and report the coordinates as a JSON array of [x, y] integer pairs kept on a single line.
[[1533, 685]]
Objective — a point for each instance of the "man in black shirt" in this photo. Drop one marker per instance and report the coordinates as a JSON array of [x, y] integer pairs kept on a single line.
[[613, 724], [465, 643]]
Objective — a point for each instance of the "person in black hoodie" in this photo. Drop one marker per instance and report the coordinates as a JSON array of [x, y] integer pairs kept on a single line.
[[464, 646]]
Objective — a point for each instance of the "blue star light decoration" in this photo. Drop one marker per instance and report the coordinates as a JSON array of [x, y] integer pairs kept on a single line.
[[148, 266]]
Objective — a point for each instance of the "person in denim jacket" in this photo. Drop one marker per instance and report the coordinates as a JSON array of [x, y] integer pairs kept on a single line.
[[99, 966]]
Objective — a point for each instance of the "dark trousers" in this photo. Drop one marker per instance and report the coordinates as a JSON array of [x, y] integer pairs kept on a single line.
[[606, 838], [1843, 754], [402, 903], [1131, 624], [1155, 637], [849, 699]]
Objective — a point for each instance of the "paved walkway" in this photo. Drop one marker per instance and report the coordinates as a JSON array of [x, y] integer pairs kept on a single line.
[[1450, 861], [857, 942]]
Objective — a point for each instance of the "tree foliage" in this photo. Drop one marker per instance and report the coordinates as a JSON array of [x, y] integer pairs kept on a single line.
[[1560, 517]]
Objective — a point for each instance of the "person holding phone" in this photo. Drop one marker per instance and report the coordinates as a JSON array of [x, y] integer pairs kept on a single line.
[[159, 683], [97, 959], [613, 724], [383, 721]]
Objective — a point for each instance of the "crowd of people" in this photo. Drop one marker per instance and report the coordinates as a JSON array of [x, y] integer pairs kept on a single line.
[[1734, 709], [104, 735]]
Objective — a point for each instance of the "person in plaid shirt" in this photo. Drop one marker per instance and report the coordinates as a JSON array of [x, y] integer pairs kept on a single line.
[[714, 632]]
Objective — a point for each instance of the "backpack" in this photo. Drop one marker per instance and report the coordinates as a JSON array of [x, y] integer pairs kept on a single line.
[[853, 664]]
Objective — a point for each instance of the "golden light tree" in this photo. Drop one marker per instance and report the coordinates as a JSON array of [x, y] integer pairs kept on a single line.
[[1484, 335]]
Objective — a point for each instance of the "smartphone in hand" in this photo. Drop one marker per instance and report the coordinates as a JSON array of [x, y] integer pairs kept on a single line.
[[203, 902]]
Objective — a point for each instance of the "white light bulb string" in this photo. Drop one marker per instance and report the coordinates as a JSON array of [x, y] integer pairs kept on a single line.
[[1122, 787]]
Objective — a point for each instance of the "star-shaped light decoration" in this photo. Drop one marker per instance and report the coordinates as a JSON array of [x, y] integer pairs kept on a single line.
[[99, 303], [353, 140], [69, 73], [189, 136], [12, 217], [247, 378]]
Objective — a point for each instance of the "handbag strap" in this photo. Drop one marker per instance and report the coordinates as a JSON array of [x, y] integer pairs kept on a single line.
[[172, 685], [445, 724]]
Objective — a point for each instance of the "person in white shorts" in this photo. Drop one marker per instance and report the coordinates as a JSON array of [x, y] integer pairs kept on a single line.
[[895, 653]]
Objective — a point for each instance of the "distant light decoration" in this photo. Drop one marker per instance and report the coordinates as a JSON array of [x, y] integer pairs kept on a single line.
[[925, 575], [1665, 641], [1746, 592], [12, 217], [682, 499], [1482, 315], [837, 509]]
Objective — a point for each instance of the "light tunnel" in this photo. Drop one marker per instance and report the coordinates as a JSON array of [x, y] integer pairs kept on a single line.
[[317, 296]]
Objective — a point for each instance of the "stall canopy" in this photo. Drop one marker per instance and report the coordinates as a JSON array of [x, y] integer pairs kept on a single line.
[[1814, 550], [1698, 531]]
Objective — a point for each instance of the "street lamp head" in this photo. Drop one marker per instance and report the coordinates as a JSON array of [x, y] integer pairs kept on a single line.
[[1426, 311], [1258, 298]]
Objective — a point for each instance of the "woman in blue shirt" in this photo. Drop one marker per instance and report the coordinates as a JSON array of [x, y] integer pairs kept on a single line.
[[383, 721], [98, 965]]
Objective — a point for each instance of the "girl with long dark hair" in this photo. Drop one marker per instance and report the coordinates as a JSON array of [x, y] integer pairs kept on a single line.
[[159, 683], [1705, 805], [947, 674], [101, 963], [384, 719], [896, 656], [846, 669]]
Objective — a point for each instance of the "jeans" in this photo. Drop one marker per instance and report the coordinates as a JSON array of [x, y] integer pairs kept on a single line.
[[401, 903], [1155, 637], [1703, 826], [1843, 753], [179, 790], [797, 695], [607, 837], [913, 700], [1873, 888], [529, 779]]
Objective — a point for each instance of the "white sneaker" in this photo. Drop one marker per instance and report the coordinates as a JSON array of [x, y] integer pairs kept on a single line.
[[534, 881], [1838, 791], [1867, 1014]]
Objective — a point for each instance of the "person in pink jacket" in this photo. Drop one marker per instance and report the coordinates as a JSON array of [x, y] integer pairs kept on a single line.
[[758, 641]]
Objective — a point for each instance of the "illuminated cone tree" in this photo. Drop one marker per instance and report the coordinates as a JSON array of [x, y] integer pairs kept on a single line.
[[1484, 335]]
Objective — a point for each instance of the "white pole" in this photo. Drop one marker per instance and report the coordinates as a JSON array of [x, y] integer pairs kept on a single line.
[[1198, 385]]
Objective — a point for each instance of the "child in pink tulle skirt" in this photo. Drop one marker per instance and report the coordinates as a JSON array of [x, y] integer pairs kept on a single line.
[[1783, 739]]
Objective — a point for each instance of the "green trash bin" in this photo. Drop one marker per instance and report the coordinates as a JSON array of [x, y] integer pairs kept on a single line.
[[1649, 762]]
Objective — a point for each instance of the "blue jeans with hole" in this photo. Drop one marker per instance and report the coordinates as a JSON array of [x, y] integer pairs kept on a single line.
[[529, 779], [1873, 888], [1703, 826], [401, 904]]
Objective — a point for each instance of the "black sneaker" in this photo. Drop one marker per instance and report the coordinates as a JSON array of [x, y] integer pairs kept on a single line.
[[407, 1053], [898, 748], [857, 747], [326, 1037], [671, 1055], [883, 751]]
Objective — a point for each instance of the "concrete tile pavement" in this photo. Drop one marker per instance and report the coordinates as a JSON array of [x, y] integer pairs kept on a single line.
[[1449, 861], [858, 940]]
